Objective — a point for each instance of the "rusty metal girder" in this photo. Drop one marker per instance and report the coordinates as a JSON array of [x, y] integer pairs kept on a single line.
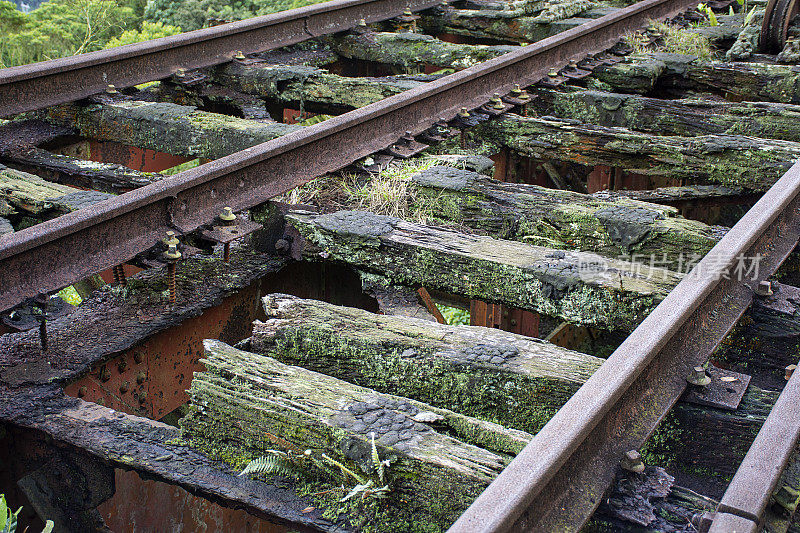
[[58, 81], [59, 252], [560, 477]]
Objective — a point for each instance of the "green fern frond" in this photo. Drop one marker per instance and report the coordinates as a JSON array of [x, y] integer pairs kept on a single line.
[[344, 469], [271, 464], [376, 460]]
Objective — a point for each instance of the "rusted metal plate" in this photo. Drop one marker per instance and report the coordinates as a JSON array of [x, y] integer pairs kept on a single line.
[[725, 391], [59, 81], [113, 231], [558, 480]]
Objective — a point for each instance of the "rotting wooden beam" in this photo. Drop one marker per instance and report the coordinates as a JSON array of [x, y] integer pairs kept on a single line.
[[562, 219], [30, 193], [744, 81], [169, 128], [530, 22], [245, 404], [452, 367], [730, 160], [310, 85], [104, 177], [693, 116], [412, 49], [576, 286]]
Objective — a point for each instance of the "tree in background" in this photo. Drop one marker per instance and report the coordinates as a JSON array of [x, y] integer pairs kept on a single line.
[[149, 30]]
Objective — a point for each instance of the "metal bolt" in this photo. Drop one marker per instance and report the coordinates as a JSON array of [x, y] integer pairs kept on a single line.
[[632, 462], [497, 102], [42, 300], [122, 366], [227, 217], [105, 374], [124, 387], [171, 239], [180, 73], [138, 357], [82, 392], [172, 255], [553, 73], [140, 377], [362, 23], [111, 90], [463, 113], [764, 288], [142, 396], [789, 371], [119, 275], [239, 55], [698, 377]]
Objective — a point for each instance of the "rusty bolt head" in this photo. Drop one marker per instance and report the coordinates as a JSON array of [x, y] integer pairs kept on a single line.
[[789, 371], [82, 391], [516, 91], [764, 288], [142, 396], [171, 239], [140, 377], [172, 253], [122, 366], [698, 377], [239, 55], [124, 387], [227, 216], [573, 64], [362, 23], [138, 357], [632, 462], [180, 73], [105, 374], [553, 73], [463, 113], [111, 90]]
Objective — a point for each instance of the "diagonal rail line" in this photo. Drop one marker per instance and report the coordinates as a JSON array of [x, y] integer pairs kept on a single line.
[[59, 252]]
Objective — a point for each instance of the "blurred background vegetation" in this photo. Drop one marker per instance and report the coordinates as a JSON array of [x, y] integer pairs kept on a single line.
[[60, 28]]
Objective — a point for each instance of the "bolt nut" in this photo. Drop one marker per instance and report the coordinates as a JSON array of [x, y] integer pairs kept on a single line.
[[122, 366], [180, 73], [172, 253], [553, 73], [105, 374], [789, 371], [362, 23], [632, 462], [698, 377], [764, 288], [142, 396], [111, 90], [171, 239], [239, 55], [124, 387], [227, 215], [140, 377], [82, 391], [463, 113]]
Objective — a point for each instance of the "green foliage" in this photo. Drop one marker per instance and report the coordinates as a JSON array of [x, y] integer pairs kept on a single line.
[[148, 31], [8, 520], [454, 316], [59, 28], [196, 14], [709, 13]]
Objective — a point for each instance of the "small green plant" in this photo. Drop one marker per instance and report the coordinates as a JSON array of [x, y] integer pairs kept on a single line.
[[8, 519], [679, 41], [709, 14], [296, 465]]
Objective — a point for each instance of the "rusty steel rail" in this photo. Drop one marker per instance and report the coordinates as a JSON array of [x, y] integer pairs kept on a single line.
[[58, 81], [746, 498], [559, 479], [59, 252]]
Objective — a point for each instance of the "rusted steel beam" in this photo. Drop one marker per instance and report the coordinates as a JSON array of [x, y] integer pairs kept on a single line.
[[114, 231], [749, 492], [63, 80], [559, 479]]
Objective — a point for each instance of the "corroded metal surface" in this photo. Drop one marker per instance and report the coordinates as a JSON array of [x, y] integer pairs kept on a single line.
[[63, 80]]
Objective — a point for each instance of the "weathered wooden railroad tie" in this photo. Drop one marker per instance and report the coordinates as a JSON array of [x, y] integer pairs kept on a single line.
[[265, 246]]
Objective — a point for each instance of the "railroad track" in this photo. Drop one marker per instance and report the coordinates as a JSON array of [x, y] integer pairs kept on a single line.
[[85, 389]]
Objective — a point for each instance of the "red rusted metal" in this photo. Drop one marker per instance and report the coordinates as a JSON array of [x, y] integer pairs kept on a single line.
[[145, 505], [64, 80], [141, 159], [151, 379]]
